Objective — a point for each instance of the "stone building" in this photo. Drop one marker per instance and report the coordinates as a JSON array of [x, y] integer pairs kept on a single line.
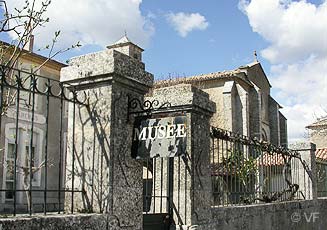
[[318, 132], [27, 63], [318, 135], [243, 100]]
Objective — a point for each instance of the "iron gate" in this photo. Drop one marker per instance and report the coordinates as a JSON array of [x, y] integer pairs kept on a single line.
[[160, 205], [158, 193]]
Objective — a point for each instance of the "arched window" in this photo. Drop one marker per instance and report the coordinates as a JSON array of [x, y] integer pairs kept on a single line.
[[264, 136]]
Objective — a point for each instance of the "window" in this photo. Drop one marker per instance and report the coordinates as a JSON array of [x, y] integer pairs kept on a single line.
[[23, 155], [9, 171], [26, 156]]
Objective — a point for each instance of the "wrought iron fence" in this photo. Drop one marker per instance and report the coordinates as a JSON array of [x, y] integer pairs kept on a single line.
[[246, 171], [33, 134], [322, 179]]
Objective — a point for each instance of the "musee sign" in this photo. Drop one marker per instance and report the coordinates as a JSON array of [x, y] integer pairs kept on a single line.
[[161, 137]]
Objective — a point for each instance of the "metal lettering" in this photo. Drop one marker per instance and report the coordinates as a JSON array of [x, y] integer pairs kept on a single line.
[[160, 132], [181, 132], [138, 135]]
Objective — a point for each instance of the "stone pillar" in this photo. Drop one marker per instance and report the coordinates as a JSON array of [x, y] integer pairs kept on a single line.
[[228, 100], [244, 98], [192, 194], [274, 122], [283, 130], [307, 181], [255, 114], [100, 137]]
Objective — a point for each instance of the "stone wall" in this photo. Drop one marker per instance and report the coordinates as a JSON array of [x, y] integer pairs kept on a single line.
[[56, 222], [295, 215], [319, 137], [215, 91]]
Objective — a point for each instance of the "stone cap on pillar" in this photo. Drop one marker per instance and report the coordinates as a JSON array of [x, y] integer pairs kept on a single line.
[[103, 66], [184, 97]]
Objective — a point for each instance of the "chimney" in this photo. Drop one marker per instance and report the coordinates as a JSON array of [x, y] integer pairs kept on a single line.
[[30, 43], [29, 46]]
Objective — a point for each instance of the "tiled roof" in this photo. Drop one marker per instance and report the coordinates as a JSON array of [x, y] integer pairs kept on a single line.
[[266, 160], [270, 160], [221, 170], [198, 78], [210, 76], [321, 154], [37, 57], [319, 122]]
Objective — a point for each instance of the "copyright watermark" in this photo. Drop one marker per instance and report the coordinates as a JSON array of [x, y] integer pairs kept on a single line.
[[309, 217], [296, 217]]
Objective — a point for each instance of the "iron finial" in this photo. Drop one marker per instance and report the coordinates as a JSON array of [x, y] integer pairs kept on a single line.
[[255, 56]]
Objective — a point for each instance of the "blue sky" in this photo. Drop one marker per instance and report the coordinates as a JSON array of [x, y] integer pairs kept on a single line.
[[189, 37], [227, 43]]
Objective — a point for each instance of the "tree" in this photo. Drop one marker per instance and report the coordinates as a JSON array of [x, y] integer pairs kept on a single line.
[[21, 23]]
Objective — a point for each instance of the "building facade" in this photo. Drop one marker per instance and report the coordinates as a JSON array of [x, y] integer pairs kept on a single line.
[[318, 132], [32, 132], [318, 136], [243, 100]]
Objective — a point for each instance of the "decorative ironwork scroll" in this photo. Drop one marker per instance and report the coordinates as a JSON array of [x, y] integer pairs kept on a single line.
[[147, 107]]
